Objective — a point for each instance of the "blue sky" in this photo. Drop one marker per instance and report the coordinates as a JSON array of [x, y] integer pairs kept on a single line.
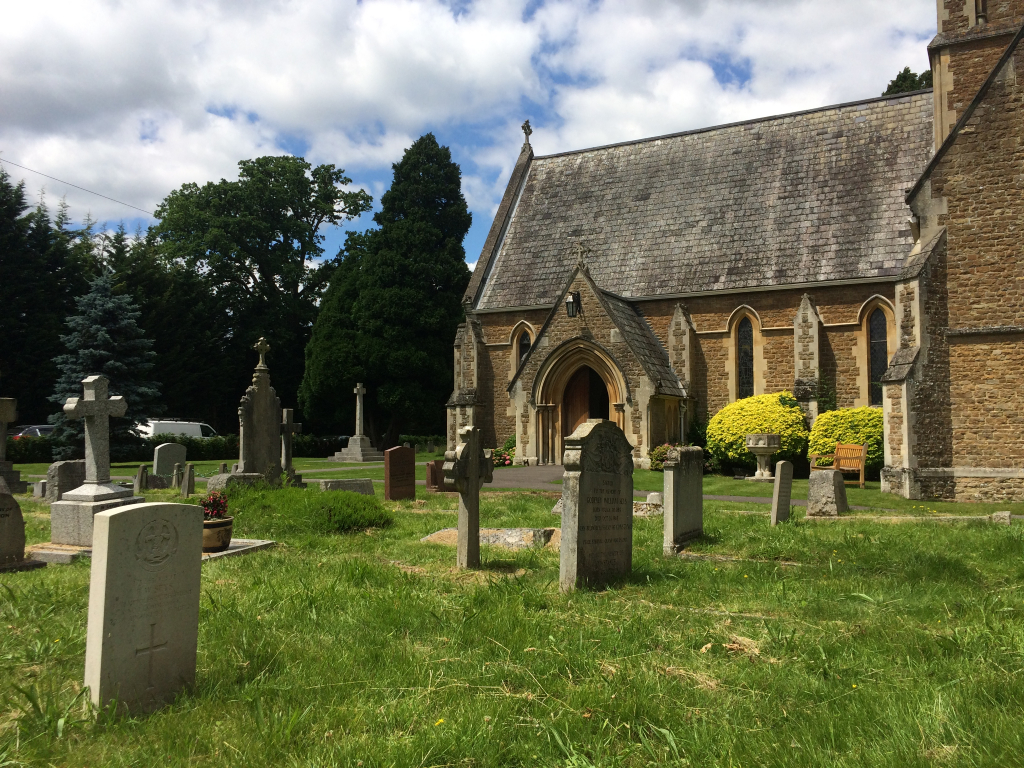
[[134, 99]]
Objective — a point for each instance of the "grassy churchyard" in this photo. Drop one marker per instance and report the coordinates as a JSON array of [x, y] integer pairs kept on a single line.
[[844, 643]]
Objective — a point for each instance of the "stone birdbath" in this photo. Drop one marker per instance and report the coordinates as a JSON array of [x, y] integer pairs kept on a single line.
[[763, 445]]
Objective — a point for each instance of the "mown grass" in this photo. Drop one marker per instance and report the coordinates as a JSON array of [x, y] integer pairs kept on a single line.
[[851, 644]]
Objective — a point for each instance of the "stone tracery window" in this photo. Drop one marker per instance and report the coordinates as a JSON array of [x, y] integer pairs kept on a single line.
[[524, 346], [744, 359], [878, 355]]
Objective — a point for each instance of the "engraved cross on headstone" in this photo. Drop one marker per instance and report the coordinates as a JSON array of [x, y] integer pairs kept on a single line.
[[359, 391], [151, 650], [288, 428], [8, 413], [96, 408], [466, 469]]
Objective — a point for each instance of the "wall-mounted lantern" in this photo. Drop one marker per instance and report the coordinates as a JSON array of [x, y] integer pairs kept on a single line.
[[572, 304]]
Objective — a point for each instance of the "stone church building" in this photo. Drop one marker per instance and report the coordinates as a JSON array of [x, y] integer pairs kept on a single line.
[[870, 254]]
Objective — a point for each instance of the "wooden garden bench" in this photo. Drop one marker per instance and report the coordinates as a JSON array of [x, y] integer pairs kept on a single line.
[[848, 458]]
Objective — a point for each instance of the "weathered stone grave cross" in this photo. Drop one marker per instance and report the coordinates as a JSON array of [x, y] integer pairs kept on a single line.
[[96, 408], [289, 428], [466, 469]]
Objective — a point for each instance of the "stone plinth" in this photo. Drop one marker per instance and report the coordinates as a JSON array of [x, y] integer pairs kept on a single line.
[[826, 494], [12, 477], [144, 587], [763, 445], [597, 506], [71, 518], [358, 450], [399, 474], [220, 482], [683, 497], [782, 496], [435, 475]]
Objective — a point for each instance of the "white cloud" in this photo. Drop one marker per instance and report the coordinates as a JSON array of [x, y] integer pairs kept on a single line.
[[133, 99]]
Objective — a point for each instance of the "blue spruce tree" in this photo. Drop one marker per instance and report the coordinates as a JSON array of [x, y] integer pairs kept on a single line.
[[104, 339]]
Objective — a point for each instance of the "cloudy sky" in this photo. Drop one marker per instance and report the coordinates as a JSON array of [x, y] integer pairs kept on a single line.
[[132, 98]]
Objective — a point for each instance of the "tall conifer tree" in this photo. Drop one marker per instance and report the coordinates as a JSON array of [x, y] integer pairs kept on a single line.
[[391, 312], [104, 338]]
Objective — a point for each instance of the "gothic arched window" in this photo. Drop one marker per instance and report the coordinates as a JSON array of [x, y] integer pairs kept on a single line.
[[524, 346], [878, 354], [744, 359]]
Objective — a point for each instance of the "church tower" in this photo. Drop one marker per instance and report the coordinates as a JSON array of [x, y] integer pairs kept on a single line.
[[972, 35]]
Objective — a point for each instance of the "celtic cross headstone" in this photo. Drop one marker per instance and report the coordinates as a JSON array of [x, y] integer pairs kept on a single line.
[[466, 469]]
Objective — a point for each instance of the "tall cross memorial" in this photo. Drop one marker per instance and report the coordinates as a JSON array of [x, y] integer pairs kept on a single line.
[[466, 469], [71, 518], [358, 448]]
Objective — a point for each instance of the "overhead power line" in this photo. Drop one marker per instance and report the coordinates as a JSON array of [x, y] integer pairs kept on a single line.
[[105, 197]]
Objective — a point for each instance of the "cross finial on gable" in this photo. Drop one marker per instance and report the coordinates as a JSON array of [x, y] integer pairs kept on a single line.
[[527, 130], [582, 252], [262, 347]]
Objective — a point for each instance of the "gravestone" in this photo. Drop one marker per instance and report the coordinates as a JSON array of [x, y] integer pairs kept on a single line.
[[826, 494], [399, 474], [597, 506], [71, 518], [683, 498], [141, 480], [288, 430], [259, 425], [39, 489], [165, 456], [63, 476], [176, 477], [782, 496], [435, 475], [358, 448], [353, 485], [431, 448], [12, 533], [466, 469], [143, 624], [223, 468], [8, 413], [188, 480]]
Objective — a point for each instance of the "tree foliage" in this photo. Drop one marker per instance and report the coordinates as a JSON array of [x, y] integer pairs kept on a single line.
[[907, 82], [104, 339], [390, 314], [256, 242]]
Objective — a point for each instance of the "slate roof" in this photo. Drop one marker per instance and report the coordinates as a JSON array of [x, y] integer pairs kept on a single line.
[[808, 197], [645, 345]]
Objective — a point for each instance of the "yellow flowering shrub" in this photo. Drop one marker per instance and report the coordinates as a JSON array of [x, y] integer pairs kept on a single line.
[[849, 425], [778, 413]]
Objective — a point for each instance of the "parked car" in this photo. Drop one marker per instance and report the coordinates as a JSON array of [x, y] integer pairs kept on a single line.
[[175, 427], [36, 430]]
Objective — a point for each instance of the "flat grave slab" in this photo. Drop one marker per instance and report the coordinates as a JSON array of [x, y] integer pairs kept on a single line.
[[240, 547], [509, 538]]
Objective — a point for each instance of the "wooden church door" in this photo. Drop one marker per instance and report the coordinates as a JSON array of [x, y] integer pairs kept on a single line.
[[576, 401]]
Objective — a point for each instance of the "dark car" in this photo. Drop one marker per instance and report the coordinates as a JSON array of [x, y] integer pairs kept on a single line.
[[36, 430]]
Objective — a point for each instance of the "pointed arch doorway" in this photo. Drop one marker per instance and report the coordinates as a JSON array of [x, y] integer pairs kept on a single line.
[[585, 397]]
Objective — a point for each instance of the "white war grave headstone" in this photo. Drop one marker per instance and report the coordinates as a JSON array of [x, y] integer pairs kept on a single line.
[[359, 447], [597, 506], [466, 469], [683, 497], [782, 496], [9, 413], [143, 624], [259, 431], [165, 456], [71, 518]]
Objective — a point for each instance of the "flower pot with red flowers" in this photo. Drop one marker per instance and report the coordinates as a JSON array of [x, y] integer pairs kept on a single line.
[[217, 524]]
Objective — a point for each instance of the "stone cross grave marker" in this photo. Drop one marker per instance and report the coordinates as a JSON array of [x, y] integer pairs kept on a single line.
[[358, 448], [782, 496], [683, 497], [466, 469], [71, 518], [8, 413], [289, 428], [259, 424], [399, 474], [143, 624], [597, 506], [165, 456]]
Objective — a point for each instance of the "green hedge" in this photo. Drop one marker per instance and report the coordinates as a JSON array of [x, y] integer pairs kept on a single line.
[[777, 413], [29, 450], [850, 425]]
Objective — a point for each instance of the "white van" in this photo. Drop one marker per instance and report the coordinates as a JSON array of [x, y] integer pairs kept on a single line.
[[174, 427]]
